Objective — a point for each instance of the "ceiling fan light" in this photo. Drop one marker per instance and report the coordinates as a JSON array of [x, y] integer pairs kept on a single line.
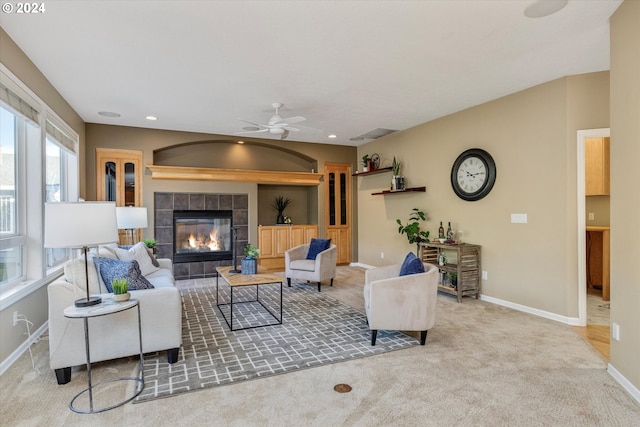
[[276, 131]]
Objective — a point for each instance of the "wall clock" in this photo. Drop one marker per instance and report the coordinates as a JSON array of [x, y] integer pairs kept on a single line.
[[473, 174]]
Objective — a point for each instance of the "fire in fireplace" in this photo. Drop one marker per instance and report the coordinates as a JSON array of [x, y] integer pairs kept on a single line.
[[203, 235]]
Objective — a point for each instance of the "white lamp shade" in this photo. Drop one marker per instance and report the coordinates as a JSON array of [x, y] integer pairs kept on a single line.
[[79, 224], [130, 218]]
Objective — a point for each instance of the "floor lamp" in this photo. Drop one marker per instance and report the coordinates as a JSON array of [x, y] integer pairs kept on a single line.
[[130, 218], [80, 225]]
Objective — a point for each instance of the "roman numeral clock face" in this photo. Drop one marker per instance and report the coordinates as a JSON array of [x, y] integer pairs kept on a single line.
[[473, 174]]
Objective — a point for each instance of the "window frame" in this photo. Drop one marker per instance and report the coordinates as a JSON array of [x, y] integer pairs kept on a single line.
[[31, 191]]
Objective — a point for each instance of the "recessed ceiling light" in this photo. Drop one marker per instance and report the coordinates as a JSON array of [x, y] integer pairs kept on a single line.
[[240, 142], [333, 136], [108, 114], [151, 118], [542, 8]]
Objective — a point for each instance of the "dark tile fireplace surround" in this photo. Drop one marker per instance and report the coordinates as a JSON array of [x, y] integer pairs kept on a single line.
[[166, 203]]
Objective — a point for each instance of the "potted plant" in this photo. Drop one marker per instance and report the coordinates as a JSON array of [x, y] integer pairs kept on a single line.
[[366, 160], [120, 288], [250, 262], [151, 244], [397, 182], [280, 204], [412, 229]]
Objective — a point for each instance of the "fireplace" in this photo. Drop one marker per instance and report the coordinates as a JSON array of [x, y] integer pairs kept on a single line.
[[202, 235]]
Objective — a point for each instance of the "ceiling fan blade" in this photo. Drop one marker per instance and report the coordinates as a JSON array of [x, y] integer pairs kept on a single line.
[[252, 131], [289, 120], [288, 128], [252, 123]]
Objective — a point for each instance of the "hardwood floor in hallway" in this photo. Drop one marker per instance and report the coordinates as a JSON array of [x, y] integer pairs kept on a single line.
[[597, 331], [597, 336]]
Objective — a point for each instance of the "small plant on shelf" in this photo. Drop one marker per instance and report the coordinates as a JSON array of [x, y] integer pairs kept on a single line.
[[412, 229], [251, 251], [280, 204], [395, 166], [366, 160], [119, 286]]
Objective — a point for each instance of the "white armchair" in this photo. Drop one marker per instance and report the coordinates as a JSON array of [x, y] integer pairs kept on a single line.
[[401, 303], [318, 270]]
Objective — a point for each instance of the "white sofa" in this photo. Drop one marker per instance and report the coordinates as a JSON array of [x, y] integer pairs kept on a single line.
[[115, 335]]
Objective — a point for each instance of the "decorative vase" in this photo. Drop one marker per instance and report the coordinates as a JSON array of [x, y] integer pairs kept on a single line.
[[249, 266], [121, 297], [280, 219], [397, 183]]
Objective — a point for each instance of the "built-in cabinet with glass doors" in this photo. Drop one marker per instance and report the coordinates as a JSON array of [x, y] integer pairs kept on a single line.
[[119, 179], [338, 208]]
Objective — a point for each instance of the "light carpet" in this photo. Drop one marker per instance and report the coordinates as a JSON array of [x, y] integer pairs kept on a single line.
[[483, 365], [317, 329]]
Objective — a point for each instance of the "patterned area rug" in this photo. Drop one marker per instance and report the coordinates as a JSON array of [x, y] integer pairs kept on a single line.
[[317, 329]]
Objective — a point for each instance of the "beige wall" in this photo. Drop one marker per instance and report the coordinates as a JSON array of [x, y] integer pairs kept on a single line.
[[532, 138], [309, 209], [599, 206], [625, 203]]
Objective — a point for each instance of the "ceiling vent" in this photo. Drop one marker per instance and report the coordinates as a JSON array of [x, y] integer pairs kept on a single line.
[[374, 134]]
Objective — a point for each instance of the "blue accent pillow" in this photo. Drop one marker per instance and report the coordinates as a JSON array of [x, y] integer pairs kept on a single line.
[[317, 246], [411, 265], [118, 269]]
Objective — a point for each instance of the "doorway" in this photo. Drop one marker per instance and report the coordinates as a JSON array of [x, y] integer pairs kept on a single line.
[[592, 314]]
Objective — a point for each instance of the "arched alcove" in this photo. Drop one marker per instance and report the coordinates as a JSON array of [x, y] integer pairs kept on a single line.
[[227, 154]]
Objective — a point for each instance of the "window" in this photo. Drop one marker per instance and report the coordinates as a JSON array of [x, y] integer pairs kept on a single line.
[[11, 240], [60, 161], [38, 164]]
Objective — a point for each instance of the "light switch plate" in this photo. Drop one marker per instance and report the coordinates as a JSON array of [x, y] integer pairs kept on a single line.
[[518, 218]]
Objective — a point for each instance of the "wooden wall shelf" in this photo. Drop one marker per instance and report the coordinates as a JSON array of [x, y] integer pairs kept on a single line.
[[406, 190], [235, 175], [373, 172]]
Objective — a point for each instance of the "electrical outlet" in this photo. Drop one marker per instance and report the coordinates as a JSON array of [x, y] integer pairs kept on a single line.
[[15, 318], [382, 255], [615, 331], [592, 216], [484, 275]]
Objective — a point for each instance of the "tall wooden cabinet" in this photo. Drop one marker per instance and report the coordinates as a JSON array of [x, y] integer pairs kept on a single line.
[[119, 179], [596, 166], [337, 177], [275, 240]]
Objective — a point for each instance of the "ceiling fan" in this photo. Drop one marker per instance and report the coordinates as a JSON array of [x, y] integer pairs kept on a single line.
[[277, 125]]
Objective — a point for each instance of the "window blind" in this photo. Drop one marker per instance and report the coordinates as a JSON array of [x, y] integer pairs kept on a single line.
[[16, 103]]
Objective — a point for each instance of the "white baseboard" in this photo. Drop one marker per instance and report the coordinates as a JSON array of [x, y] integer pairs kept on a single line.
[[573, 321], [22, 348], [625, 383], [359, 264]]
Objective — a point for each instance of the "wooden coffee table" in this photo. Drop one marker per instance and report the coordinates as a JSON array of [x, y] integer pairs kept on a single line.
[[238, 279]]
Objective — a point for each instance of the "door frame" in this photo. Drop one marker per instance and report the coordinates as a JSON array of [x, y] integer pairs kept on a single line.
[[582, 135]]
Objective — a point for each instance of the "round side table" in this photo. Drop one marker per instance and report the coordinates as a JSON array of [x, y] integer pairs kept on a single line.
[[107, 307]]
